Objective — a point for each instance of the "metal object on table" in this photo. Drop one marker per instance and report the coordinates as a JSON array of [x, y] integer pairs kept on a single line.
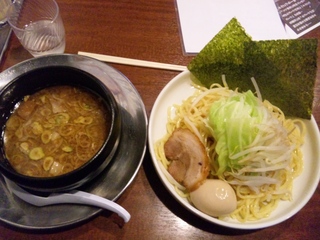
[[73, 197], [114, 180]]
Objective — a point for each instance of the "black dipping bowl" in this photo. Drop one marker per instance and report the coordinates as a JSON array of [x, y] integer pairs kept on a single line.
[[32, 81]]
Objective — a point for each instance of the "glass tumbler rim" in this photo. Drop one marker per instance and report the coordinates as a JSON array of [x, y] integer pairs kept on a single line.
[[23, 28]]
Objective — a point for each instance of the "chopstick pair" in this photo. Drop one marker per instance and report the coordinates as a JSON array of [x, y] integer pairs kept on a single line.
[[133, 62]]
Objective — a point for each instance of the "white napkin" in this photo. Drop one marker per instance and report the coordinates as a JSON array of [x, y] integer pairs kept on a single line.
[[201, 20]]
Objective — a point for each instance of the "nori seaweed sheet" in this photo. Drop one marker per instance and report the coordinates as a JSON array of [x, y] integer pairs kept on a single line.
[[285, 70], [224, 54]]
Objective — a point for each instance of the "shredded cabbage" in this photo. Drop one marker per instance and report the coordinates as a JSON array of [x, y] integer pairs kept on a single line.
[[249, 139]]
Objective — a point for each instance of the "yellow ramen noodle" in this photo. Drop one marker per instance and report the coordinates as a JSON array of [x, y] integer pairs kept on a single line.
[[251, 205], [55, 131]]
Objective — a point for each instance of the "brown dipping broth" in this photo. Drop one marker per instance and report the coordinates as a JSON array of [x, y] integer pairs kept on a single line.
[[55, 130]]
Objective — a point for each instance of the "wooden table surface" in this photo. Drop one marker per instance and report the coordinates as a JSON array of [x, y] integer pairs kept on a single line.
[[147, 30]]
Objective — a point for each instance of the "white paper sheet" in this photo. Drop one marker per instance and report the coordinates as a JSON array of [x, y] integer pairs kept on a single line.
[[201, 20]]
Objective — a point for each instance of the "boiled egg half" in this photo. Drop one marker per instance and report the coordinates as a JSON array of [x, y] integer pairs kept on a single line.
[[214, 197]]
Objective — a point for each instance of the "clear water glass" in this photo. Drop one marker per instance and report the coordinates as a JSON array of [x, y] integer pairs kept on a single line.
[[38, 26]]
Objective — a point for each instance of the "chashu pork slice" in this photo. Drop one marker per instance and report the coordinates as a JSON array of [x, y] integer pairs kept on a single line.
[[189, 162]]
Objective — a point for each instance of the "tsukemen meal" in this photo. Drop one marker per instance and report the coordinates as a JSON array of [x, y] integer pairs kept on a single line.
[[234, 147]]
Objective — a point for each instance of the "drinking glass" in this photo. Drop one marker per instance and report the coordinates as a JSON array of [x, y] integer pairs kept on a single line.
[[38, 26], [4, 4]]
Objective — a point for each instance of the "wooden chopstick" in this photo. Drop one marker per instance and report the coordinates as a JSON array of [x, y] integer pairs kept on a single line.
[[133, 62]]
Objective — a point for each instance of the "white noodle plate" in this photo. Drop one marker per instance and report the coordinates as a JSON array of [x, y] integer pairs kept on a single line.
[[304, 186]]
